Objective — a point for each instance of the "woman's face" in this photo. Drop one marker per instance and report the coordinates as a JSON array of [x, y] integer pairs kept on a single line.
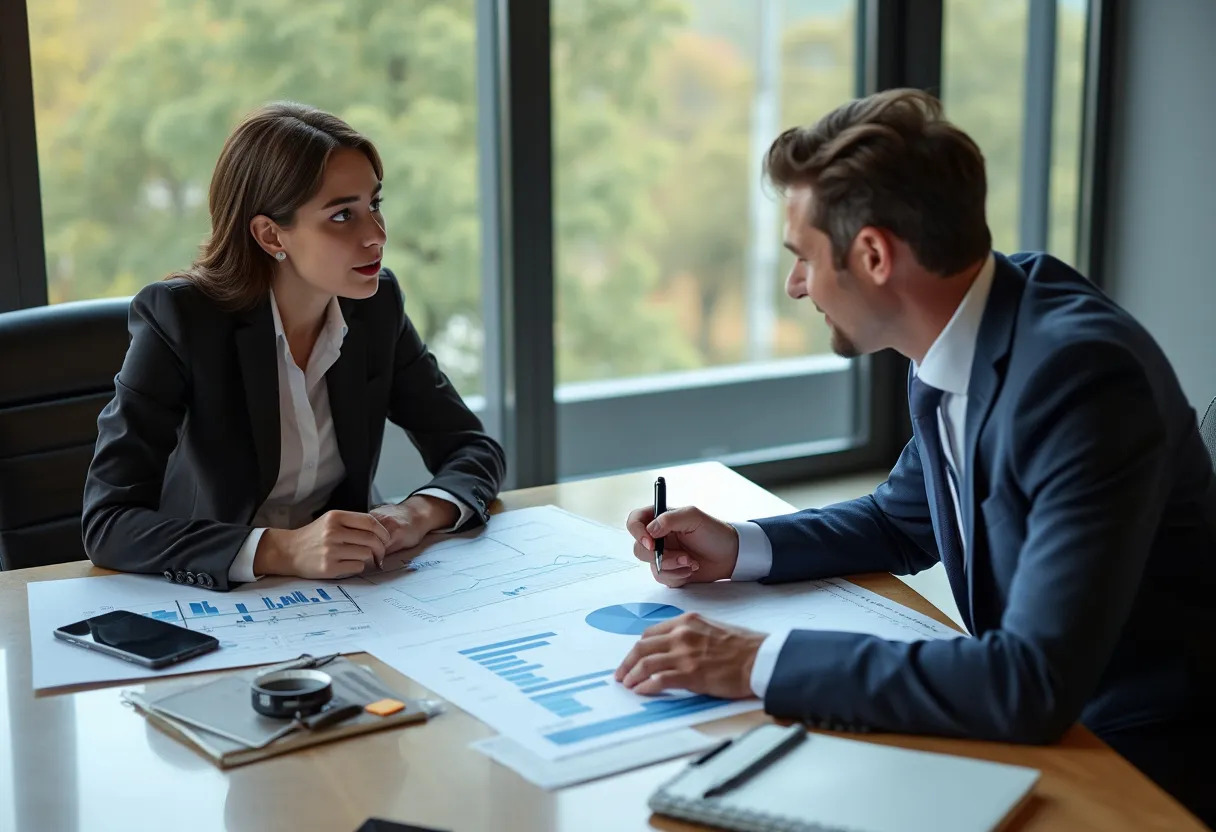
[[337, 239]]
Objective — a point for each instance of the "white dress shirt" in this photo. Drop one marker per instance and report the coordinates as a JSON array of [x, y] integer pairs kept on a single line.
[[946, 366], [310, 466]]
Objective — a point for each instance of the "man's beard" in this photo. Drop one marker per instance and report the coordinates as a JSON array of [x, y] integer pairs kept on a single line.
[[841, 345]]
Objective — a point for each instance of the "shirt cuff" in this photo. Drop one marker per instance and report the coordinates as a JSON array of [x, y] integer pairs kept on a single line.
[[465, 511], [766, 662], [241, 571], [755, 553]]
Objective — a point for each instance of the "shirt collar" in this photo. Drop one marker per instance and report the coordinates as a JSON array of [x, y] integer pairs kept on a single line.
[[947, 364], [328, 342], [333, 333]]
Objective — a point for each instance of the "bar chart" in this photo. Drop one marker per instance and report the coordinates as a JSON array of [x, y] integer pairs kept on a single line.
[[267, 609], [556, 696], [552, 687]]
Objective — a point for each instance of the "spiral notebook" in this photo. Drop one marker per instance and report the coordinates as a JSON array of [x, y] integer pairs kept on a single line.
[[829, 784]]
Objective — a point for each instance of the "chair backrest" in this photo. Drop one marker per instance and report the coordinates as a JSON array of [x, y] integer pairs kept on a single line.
[[57, 368], [1207, 429]]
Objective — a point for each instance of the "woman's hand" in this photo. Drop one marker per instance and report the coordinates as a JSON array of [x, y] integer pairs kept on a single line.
[[410, 521], [338, 544]]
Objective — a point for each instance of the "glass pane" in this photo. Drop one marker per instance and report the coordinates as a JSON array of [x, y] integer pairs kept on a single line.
[[983, 90], [668, 249], [133, 100], [1066, 128]]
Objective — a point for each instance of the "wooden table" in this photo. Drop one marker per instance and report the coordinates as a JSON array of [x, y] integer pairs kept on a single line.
[[83, 760]]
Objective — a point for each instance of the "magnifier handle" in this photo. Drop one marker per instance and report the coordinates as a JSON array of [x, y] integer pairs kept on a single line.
[[331, 716]]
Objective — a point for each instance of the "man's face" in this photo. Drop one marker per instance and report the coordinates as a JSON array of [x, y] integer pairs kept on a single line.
[[838, 294]]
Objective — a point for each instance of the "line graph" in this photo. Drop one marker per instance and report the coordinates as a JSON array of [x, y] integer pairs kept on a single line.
[[527, 551]]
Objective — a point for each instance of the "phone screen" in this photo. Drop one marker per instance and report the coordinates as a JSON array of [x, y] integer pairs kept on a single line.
[[137, 635]]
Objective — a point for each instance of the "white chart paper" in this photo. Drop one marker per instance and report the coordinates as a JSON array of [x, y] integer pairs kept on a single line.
[[518, 554], [547, 682], [626, 756], [269, 621], [496, 573]]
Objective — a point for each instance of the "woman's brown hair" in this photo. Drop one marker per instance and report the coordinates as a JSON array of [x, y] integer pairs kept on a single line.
[[892, 161], [272, 164]]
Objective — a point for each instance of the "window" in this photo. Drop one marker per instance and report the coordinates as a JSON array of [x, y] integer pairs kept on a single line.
[[133, 100], [996, 54], [1066, 130], [671, 335], [669, 264]]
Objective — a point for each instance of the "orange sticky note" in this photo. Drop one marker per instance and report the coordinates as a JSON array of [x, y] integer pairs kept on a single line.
[[384, 707]]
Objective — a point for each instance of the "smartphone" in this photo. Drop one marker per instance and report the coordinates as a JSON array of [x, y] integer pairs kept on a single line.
[[137, 638]]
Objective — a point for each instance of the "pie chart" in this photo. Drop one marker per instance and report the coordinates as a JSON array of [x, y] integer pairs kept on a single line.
[[630, 619]]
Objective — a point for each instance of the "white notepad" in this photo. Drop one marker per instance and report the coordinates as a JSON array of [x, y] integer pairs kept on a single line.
[[827, 783]]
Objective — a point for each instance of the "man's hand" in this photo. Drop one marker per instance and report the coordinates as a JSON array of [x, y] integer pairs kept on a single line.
[[698, 548], [692, 653], [410, 521]]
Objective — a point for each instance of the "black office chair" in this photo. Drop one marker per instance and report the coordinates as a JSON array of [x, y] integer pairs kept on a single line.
[[1207, 429], [57, 368]]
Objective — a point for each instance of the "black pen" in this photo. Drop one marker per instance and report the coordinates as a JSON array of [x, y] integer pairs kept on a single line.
[[795, 734], [660, 506]]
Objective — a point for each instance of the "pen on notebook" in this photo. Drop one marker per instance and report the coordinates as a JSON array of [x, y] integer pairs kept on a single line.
[[660, 506], [795, 734]]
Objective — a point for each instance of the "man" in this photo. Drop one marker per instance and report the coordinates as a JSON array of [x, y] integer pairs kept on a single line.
[[1056, 472]]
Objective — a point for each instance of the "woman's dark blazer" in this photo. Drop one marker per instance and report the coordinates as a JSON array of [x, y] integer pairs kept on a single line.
[[188, 449]]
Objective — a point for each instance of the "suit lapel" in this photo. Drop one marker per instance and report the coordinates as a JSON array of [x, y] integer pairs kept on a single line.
[[347, 383], [255, 344], [987, 373]]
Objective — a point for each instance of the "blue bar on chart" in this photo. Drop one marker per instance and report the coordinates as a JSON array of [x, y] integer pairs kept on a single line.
[[562, 703], [499, 664], [515, 675], [507, 643], [556, 696], [573, 680], [204, 608], [163, 615], [298, 597], [656, 711]]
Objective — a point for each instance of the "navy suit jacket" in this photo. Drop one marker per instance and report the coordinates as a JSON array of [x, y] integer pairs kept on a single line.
[[1089, 508]]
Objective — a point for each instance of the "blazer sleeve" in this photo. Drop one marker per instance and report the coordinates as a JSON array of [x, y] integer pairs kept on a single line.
[[888, 531], [462, 458], [136, 433], [1095, 485]]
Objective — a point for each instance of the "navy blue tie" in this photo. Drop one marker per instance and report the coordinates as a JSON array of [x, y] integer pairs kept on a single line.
[[923, 401]]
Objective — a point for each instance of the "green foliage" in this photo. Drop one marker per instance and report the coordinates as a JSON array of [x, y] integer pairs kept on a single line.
[[653, 162]]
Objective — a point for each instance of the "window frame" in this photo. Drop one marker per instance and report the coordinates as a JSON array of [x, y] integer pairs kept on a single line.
[[543, 425]]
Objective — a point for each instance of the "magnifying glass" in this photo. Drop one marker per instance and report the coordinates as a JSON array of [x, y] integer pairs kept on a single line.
[[291, 694]]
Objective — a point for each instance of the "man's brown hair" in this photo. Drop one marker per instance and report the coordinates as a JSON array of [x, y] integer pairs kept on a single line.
[[890, 160], [272, 164]]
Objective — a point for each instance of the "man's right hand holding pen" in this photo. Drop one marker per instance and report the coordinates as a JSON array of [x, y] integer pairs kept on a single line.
[[698, 548]]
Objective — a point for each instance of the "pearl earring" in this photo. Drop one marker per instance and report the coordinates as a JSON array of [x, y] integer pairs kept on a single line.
[[280, 256]]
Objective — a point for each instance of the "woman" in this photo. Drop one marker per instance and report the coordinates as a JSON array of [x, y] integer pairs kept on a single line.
[[246, 423]]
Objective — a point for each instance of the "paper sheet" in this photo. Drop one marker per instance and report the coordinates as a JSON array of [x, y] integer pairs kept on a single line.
[[547, 682], [550, 774], [272, 620], [517, 555], [501, 569]]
